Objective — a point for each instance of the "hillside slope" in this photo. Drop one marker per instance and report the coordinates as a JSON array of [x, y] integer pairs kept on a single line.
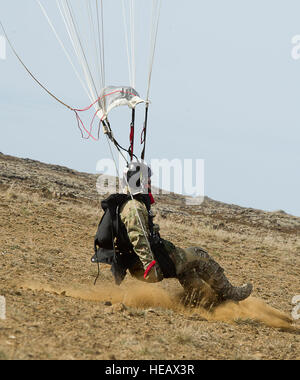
[[48, 218]]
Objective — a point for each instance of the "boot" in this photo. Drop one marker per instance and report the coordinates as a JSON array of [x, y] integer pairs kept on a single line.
[[226, 291], [213, 274]]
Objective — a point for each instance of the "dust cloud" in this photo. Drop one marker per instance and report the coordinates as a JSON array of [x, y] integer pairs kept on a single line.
[[139, 296], [143, 296], [253, 309]]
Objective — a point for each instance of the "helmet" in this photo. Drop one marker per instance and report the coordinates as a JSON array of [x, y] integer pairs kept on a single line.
[[136, 178]]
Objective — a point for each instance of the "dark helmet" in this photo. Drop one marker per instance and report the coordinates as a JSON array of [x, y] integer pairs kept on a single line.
[[136, 178]]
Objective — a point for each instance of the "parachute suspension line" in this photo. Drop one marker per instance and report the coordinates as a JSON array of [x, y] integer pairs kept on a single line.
[[93, 35], [101, 46], [130, 192], [155, 17], [72, 29], [30, 73], [79, 121], [131, 138], [69, 21], [103, 120], [132, 32], [156, 8], [76, 29], [102, 43], [131, 61], [112, 155], [127, 41], [144, 132], [129, 47], [64, 18], [63, 47], [108, 132], [131, 195]]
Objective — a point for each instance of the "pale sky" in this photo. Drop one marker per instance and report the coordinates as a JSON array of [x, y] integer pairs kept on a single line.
[[225, 89]]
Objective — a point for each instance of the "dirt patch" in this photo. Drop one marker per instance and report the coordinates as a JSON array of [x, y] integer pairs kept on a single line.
[[143, 296], [55, 312]]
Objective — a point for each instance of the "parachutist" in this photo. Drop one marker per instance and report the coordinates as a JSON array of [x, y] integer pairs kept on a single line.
[[139, 248]]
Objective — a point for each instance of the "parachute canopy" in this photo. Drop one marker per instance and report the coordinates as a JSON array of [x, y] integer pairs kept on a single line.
[[80, 30], [85, 25]]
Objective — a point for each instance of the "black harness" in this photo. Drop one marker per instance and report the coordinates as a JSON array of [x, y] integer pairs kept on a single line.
[[112, 245]]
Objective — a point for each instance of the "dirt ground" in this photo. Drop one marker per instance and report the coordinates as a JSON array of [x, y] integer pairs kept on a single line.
[[54, 311]]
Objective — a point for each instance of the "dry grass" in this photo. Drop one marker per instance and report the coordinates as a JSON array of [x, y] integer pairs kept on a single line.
[[46, 244], [269, 240]]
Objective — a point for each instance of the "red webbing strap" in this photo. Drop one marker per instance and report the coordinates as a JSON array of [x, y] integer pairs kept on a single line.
[[149, 267], [131, 137]]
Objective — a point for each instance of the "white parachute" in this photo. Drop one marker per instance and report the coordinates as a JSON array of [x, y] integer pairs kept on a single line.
[[84, 23]]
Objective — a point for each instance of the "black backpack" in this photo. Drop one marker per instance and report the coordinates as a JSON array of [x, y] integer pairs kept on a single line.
[[111, 227], [112, 232]]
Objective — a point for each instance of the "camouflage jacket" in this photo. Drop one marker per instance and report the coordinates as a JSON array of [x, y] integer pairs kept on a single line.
[[134, 216]]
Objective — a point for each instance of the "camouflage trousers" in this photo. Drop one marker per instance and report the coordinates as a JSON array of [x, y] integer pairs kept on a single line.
[[181, 257], [202, 278], [194, 282]]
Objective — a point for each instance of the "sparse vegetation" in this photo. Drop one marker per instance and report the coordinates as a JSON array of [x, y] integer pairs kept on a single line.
[[54, 310]]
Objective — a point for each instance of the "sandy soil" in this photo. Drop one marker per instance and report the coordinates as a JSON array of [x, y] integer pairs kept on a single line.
[[55, 312]]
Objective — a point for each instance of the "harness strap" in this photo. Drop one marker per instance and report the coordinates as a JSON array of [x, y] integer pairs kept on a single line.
[[120, 148], [144, 132], [149, 267], [131, 137]]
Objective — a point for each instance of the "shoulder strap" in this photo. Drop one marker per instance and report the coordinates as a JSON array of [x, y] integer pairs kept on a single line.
[[113, 201]]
